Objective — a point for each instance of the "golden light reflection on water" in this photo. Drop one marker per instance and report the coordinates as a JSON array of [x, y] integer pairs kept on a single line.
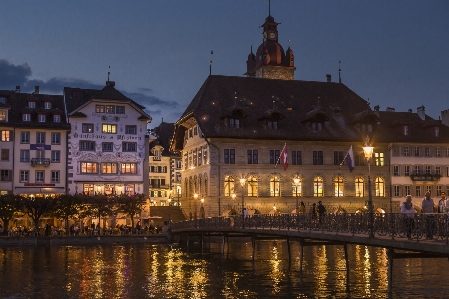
[[321, 265], [276, 274]]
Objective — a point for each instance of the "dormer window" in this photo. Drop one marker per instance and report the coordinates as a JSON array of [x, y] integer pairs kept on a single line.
[[317, 127], [26, 117], [57, 118], [41, 118], [47, 105], [436, 131], [32, 104], [405, 130], [272, 125], [234, 123], [367, 128]]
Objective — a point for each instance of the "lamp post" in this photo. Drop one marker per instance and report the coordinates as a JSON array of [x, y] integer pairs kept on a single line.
[[202, 208], [368, 151], [296, 182], [195, 196], [169, 212], [243, 182]]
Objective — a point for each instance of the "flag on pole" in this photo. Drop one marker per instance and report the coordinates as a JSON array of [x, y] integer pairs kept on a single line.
[[284, 157], [349, 159]]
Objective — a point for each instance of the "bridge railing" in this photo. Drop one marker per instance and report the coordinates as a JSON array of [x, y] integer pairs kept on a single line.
[[418, 227]]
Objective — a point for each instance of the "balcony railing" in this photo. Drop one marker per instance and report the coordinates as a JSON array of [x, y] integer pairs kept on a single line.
[[425, 177], [40, 161]]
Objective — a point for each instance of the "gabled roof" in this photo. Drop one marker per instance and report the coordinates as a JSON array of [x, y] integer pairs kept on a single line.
[[294, 100], [164, 135], [419, 129]]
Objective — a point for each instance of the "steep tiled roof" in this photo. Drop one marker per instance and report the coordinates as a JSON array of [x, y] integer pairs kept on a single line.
[[164, 134], [295, 101], [390, 128]]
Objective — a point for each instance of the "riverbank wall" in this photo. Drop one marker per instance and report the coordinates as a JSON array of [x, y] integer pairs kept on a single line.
[[83, 240]]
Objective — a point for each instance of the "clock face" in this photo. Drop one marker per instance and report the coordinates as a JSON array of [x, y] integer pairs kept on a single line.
[[272, 35]]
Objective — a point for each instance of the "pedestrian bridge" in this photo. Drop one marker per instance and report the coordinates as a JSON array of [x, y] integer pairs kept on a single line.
[[423, 236], [428, 233]]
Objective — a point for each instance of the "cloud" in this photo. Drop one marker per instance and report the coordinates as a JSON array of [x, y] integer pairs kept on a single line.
[[12, 75]]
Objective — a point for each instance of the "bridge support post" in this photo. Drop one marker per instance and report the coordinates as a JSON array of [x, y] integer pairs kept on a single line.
[[289, 253], [253, 244], [390, 255]]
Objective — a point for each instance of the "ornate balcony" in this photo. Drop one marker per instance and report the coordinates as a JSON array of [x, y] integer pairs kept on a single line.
[[425, 177], [40, 161]]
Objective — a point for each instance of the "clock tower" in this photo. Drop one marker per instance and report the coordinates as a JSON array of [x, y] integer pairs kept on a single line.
[[270, 60]]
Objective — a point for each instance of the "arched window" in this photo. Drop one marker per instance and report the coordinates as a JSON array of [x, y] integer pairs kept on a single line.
[[379, 185], [200, 184], [318, 186], [252, 186], [338, 186], [359, 187], [275, 186], [229, 185], [297, 187], [195, 184], [191, 187], [186, 187]]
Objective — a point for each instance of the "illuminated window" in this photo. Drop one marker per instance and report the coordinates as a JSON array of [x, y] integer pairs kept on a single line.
[[359, 187], [109, 129], [128, 168], [99, 108], [297, 189], [338, 186], [3, 115], [379, 186], [108, 167], [318, 186], [89, 167], [88, 189], [110, 109], [229, 185], [275, 186], [252, 187], [6, 136], [379, 159]]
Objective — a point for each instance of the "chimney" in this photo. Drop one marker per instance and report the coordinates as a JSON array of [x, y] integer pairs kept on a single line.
[[18, 88], [36, 89], [376, 110], [421, 112], [329, 78], [410, 110], [445, 117], [390, 109]]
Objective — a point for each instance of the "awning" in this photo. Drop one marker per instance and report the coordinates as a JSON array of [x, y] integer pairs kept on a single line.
[[40, 190]]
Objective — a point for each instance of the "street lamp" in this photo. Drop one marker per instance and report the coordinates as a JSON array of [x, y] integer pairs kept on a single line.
[[202, 207], [243, 182], [296, 182], [368, 151], [195, 196]]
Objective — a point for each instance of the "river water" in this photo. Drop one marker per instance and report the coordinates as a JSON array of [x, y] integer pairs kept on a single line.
[[168, 271]]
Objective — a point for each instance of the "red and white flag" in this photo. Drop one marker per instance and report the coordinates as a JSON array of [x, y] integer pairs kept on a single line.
[[284, 157]]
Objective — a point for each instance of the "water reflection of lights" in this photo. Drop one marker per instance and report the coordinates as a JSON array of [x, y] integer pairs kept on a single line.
[[321, 253], [276, 273]]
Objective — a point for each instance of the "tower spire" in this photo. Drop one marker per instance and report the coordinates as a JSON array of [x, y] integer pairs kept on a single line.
[[109, 72], [269, 7], [339, 71]]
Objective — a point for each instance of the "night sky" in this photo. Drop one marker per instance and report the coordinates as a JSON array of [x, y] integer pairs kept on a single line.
[[394, 53]]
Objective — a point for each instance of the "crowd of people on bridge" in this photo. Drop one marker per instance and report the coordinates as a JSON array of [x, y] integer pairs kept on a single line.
[[429, 208]]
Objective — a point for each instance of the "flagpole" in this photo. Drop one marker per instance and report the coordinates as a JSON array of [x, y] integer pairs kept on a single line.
[[279, 158]]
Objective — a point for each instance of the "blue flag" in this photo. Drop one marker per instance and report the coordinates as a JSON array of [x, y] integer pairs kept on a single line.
[[349, 159]]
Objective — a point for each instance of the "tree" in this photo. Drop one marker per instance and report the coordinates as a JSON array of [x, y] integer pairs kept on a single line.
[[36, 207], [130, 205], [97, 206], [9, 205], [67, 206]]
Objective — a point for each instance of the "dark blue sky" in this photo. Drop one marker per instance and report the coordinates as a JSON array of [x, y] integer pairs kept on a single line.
[[394, 53]]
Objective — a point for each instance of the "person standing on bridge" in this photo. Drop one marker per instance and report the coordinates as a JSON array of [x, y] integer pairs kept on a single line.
[[321, 211], [409, 212], [427, 207], [442, 208]]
